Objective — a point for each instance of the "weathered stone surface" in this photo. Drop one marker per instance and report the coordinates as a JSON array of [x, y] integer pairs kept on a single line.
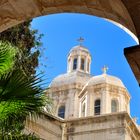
[[118, 126], [133, 7], [125, 12], [78, 87], [133, 57], [82, 119]]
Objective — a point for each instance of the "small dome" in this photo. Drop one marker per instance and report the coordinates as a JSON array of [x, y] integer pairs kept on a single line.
[[70, 78], [79, 48], [105, 78]]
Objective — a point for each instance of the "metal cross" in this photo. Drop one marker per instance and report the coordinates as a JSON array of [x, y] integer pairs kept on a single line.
[[105, 69], [80, 40]]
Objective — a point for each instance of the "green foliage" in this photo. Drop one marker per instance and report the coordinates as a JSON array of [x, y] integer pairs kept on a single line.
[[25, 39], [19, 96], [19, 137], [7, 56]]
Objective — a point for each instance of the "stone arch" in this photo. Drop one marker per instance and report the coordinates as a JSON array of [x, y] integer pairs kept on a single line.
[[14, 12]]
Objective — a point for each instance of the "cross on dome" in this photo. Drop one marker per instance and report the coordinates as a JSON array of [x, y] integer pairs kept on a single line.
[[80, 40], [105, 69]]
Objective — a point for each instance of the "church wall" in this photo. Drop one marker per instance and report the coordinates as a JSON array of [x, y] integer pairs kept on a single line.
[[130, 132], [70, 104], [108, 102], [97, 128], [76, 104], [103, 101], [98, 136], [128, 137], [91, 105], [118, 126], [98, 92], [107, 93], [69, 98], [46, 127]]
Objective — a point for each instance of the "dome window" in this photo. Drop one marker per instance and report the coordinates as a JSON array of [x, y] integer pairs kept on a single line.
[[82, 63], [97, 107], [75, 64], [61, 112]]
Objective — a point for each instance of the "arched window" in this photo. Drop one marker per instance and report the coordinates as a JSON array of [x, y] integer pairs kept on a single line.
[[75, 64], [97, 107], [82, 63], [83, 109], [61, 111], [114, 106]]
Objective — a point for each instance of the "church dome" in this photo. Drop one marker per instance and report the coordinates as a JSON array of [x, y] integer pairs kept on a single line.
[[79, 48], [105, 78], [70, 78]]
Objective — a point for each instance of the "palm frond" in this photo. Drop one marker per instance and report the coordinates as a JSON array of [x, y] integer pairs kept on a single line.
[[7, 55], [19, 96]]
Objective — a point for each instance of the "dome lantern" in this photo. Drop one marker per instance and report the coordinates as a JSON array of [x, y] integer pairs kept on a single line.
[[79, 59]]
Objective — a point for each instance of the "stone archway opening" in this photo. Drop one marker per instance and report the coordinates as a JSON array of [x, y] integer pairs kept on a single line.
[[14, 12], [124, 12]]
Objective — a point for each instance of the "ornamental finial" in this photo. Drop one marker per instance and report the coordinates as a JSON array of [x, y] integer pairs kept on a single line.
[[105, 69], [80, 40]]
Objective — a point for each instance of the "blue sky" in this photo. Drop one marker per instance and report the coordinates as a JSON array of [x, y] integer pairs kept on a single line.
[[104, 40]]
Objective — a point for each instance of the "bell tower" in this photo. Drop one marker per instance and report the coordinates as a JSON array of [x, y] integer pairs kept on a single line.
[[79, 59]]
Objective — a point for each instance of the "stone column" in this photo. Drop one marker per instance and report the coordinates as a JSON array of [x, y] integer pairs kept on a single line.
[[63, 126], [76, 105], [121, 103], [68, 65], [91, 104], [104, 101], [88, 104], [128, 107], [86, 65], [108, 102], [79, 62], [89, 67]]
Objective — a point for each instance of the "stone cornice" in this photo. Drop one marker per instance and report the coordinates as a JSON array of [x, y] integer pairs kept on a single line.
[[78, 86], [107, 87], [110, 116], [121, 121]]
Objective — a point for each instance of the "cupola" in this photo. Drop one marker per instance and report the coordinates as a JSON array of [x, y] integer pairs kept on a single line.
[[79, 59]]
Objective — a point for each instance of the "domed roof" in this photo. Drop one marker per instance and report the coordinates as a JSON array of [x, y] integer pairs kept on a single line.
[[105, 78], [79, 48], [70, 78]]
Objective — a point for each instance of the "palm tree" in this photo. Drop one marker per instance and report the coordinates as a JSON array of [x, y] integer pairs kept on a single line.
[[19, 96]]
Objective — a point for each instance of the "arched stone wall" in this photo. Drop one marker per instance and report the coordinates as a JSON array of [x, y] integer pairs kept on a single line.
[[13, 12]]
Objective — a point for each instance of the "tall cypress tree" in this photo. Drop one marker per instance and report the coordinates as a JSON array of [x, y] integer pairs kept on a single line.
[[28, 42]]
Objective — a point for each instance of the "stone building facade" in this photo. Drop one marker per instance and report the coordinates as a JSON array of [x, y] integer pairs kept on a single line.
[[86, 107], [82, 95]]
